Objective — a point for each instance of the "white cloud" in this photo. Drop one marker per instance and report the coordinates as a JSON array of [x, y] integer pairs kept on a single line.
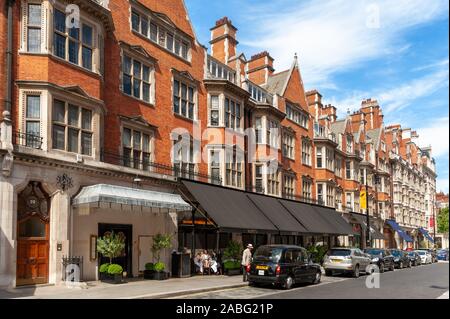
[[435, 134], [394, 99], [333, 35]]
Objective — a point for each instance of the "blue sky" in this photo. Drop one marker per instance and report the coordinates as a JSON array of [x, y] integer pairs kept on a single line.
[[393, 51]]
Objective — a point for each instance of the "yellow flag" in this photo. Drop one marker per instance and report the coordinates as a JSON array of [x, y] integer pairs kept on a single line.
[[363, 199]]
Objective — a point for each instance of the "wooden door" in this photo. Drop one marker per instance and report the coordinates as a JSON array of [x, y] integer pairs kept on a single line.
[[32, 262], [33, 236]]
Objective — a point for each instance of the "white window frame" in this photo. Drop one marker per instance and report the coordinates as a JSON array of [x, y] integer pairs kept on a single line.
[[150, 82], [179, 95], [289, 145], [143, 162]]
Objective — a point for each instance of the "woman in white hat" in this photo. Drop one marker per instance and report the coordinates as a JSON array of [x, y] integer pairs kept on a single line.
[[246, 260]]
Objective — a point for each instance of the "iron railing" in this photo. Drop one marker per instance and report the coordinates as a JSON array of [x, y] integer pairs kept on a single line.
[[28, 140], [72, 269], [158, 168]]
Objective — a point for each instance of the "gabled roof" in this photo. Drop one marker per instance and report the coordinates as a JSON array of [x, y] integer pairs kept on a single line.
[[276, 83], [375, 135], [338, 127]]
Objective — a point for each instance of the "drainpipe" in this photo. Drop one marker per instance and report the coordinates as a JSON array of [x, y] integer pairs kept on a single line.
[[9, 56]]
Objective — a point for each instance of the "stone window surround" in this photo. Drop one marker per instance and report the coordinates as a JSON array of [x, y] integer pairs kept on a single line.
[[222, 96], [143, 129], [289, 136], [141, 10], [184, 79], [222, 150], [264, 125], [265, 177], [47, 33], [48, 94]]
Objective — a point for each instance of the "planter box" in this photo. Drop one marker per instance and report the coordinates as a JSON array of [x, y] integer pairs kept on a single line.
[[112, 279], [232, 272], [161, 275], [149, 274]]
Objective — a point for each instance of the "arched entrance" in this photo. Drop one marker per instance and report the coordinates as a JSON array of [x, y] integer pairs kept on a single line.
[[33, 234]]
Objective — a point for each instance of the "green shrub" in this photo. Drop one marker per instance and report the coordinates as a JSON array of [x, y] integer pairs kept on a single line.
[[160, 242], [104, 268], [149, 266], [111, 246], [159, 267], [231, 264], [317, 253], [115, 269], [233, 250]]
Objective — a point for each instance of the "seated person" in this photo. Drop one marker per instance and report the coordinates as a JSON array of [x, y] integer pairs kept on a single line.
[[215, 266], [206, 259], [198, 261]]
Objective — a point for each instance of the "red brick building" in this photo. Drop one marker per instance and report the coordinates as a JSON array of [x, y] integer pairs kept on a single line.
[[113, 114]]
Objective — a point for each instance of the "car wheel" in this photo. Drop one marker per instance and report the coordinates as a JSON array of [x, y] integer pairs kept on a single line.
[[356, 272], [409, 264], [382, 268], [401, 265], [252, 284], [317, 278], [288, 283], [392, 266], [328, 273]]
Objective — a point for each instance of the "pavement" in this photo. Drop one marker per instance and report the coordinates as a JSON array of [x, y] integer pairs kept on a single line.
[[423, 282], [133, 289]]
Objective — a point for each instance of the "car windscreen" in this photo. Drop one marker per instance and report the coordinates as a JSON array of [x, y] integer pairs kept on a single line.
[[374, 252], [412, 254], [421, 253], [339, 252], [442, 251], [266, 253], [396, 253]]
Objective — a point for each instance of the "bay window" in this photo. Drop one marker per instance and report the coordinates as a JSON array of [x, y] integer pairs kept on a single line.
[[72, 128], [232, 114], [320, 194], [319, 158], [329, 159], [34, 28], [233, 168], [273, 182], [71, 44], [272, 137], [33, 121], [214, 112], [215, 170], [259, 183], [258, 130]]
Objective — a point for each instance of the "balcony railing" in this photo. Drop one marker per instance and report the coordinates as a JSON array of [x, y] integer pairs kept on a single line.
[[158, 168], [28, 140]]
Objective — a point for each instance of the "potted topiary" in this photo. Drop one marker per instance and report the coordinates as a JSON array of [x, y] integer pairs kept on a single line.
[[115, 273], [160, 274], [110, 246], [232, 256], [160, 242], [149, 271], [103, 270]]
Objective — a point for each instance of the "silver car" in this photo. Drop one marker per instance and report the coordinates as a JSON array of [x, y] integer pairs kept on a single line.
[[346, 260]]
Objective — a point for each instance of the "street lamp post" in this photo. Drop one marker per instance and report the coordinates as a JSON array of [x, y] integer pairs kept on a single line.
[[367, 213]]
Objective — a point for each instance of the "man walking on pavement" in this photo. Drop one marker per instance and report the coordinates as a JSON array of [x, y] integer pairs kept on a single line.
[[246, 260]]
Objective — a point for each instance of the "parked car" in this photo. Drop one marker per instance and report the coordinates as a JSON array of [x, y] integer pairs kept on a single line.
[[382, 258], [415, 258], [442, 254], [346, 260], [282, 265], [401, 258], [426, 257]]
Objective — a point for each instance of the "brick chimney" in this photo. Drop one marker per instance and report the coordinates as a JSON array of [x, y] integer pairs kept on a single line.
[[223, 40], [260, 67], [373, 113]]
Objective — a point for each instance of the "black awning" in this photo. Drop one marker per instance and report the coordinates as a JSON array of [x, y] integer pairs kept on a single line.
[[278, 214], [362, 220], [308, 216], [230, 209], [340, 225]]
